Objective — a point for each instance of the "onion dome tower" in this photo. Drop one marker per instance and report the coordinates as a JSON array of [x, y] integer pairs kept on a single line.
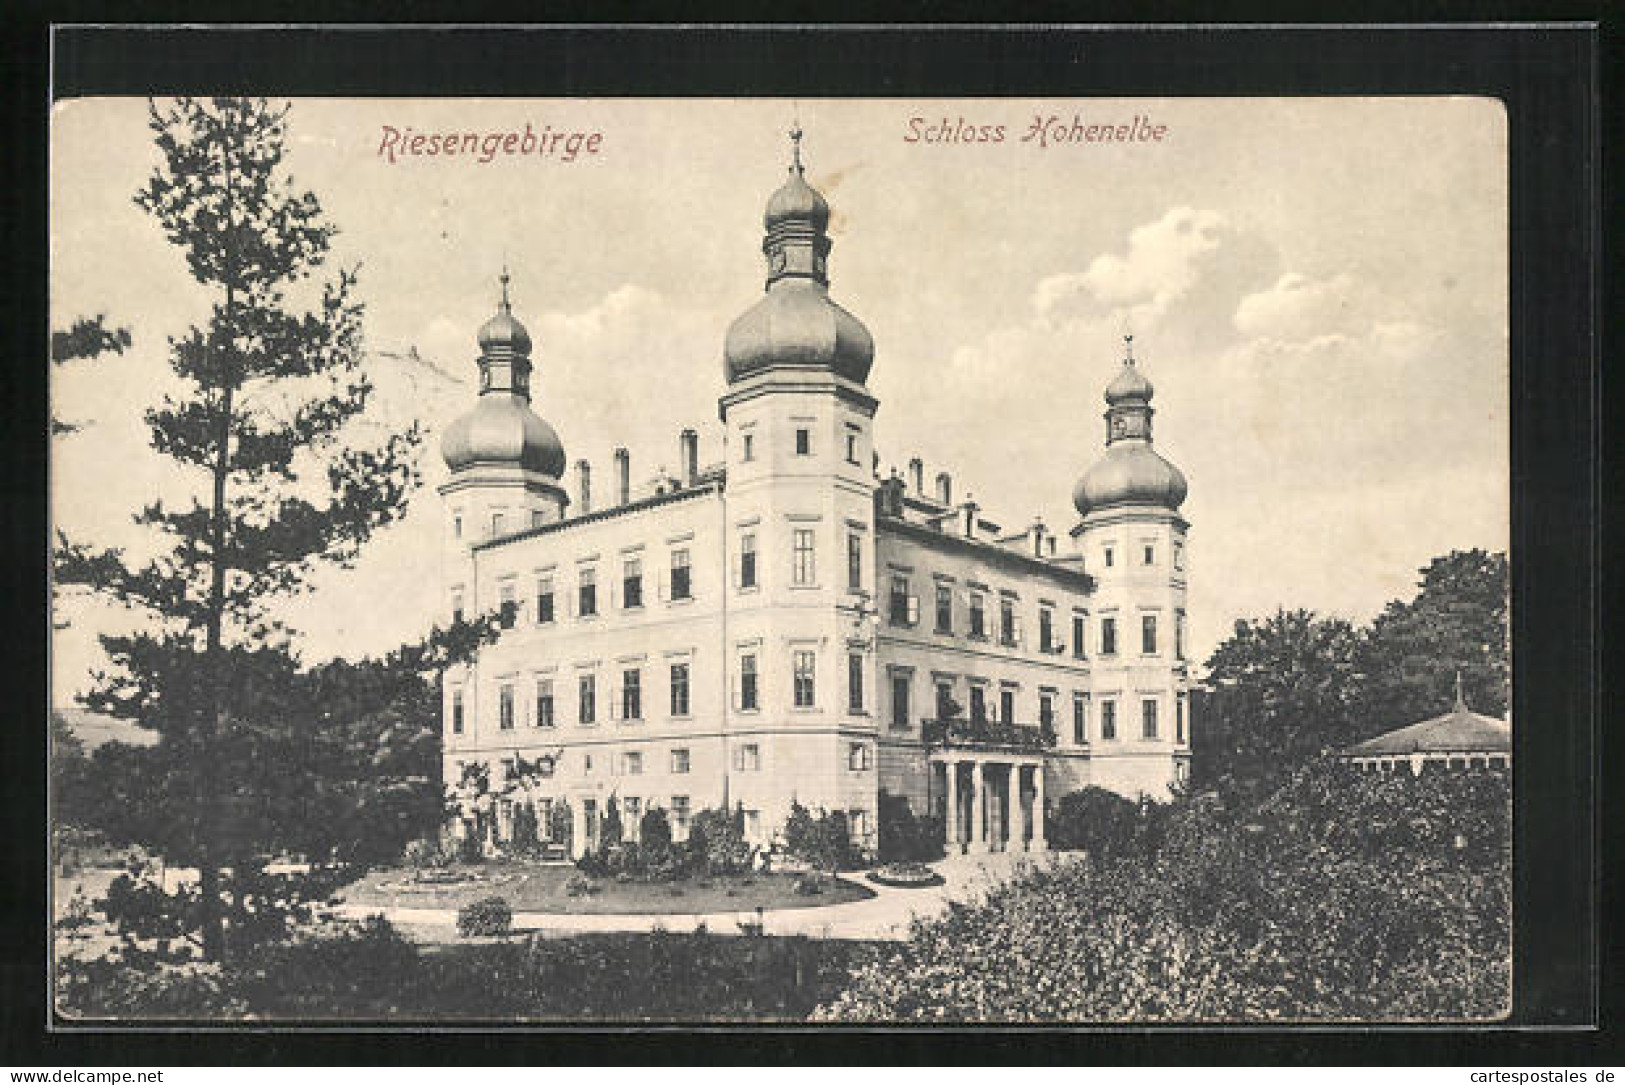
[[1131, 472], [1132, 540], [505, 461], [795, 326], [798, 423]]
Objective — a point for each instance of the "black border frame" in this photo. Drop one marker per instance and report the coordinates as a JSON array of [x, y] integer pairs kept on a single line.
[[1547, 76]]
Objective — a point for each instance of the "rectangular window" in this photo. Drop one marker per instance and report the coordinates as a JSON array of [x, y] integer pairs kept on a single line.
[[747, 683], [632, 583], [679, 689], [945, 609], [1179, 555], [1007, 705], [854, 683], [505, 707], [457, 604], [747, 560], [1148, 634], [1149, 555], [632, 694], [1179, 718], [1080, 720], [497, 524], [632, 763], [899, 600], [945, 700], [544, 702], [456, 711], [753, 824], [857, 822], [1108, 636], [1007, 622], [1108, 720], [1148, 718], [1046, 629], [589, 593], [805, 570], [748, 449], [680, 761], [1179, 635], [978, 615], [682, 586], [857, 756], [1108, 556], [899, 702], [680, 810], [544, 599], [536, 518], [1078, 638], [851, 448], [804, 664], [854, 561], [978, 703], [586, 704], [457, 526], [747, 758], [803, 442], [507, 607], [1046, 710]]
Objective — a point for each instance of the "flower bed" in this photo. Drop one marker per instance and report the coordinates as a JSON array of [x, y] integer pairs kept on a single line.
[[906, 876]]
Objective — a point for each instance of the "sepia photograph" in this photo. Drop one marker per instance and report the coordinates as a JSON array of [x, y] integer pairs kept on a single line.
[[842, 561]]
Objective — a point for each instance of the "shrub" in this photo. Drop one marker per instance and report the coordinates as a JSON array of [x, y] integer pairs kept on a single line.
[[561, 825], [525, 839], [717, 845], [492, 915], [469, 849], [579, 885], [1095, 820], [654, 831], [903, 835], [809, 885]]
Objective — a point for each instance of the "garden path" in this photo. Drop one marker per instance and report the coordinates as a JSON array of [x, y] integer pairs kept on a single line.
[[884, 917]]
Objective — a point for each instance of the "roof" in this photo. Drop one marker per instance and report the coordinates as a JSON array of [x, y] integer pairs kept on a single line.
[[1457, 731], [1065, 574]]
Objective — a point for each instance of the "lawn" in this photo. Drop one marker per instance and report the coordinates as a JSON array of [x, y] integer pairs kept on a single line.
[[533, 887]]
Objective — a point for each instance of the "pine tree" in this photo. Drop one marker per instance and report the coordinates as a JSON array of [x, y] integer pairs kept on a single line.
[[272, 388], [86, 338]]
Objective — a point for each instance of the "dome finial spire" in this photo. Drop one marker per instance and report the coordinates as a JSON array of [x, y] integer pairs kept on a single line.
[[1128, 348], [795, 144], [506, 308], [1461, 702]]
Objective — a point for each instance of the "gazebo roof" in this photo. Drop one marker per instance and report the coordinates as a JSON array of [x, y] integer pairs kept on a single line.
[[1457, 731]]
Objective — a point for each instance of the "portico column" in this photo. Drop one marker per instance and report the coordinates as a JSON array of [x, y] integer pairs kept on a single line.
[[1039, 842], [978, 808], [953, 804], [1023, 819], [578, 828]]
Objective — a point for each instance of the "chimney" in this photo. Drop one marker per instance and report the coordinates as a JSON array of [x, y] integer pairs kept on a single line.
[[916, 476], [623, 475], [689, 441], [1038, 538], [1052, 546], [969, 508], [945, 488], [584, 485]]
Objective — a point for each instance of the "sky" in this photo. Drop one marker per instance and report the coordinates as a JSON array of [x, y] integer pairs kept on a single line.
[[1317, 289]]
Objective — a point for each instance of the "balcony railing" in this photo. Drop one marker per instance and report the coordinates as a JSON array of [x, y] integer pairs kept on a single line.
[[987, 733]]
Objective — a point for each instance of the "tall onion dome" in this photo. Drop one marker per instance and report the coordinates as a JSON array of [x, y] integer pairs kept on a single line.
[[501, 429], [1131, 472], [795, 325]]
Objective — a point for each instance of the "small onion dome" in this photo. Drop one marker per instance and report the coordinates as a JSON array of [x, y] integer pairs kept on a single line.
[[502, 429], [504, 334], [796, 324], [797, 200], [1129, 474], [1129, 384]]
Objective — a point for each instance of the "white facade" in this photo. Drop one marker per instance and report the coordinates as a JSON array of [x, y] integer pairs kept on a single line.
[[787, 626]]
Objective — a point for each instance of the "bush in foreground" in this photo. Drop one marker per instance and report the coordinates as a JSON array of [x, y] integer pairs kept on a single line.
[[1340, 897], [490, 916]]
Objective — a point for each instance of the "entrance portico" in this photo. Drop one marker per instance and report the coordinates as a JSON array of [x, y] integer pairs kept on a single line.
[[992, 801]]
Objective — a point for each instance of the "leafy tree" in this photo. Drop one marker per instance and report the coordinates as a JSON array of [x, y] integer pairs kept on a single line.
[[85, 338], [1100, 822], [1456, 624], [271, 390], [1281, 691]]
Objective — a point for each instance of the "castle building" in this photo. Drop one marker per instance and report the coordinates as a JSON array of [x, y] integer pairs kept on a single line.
[[787, 625]]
